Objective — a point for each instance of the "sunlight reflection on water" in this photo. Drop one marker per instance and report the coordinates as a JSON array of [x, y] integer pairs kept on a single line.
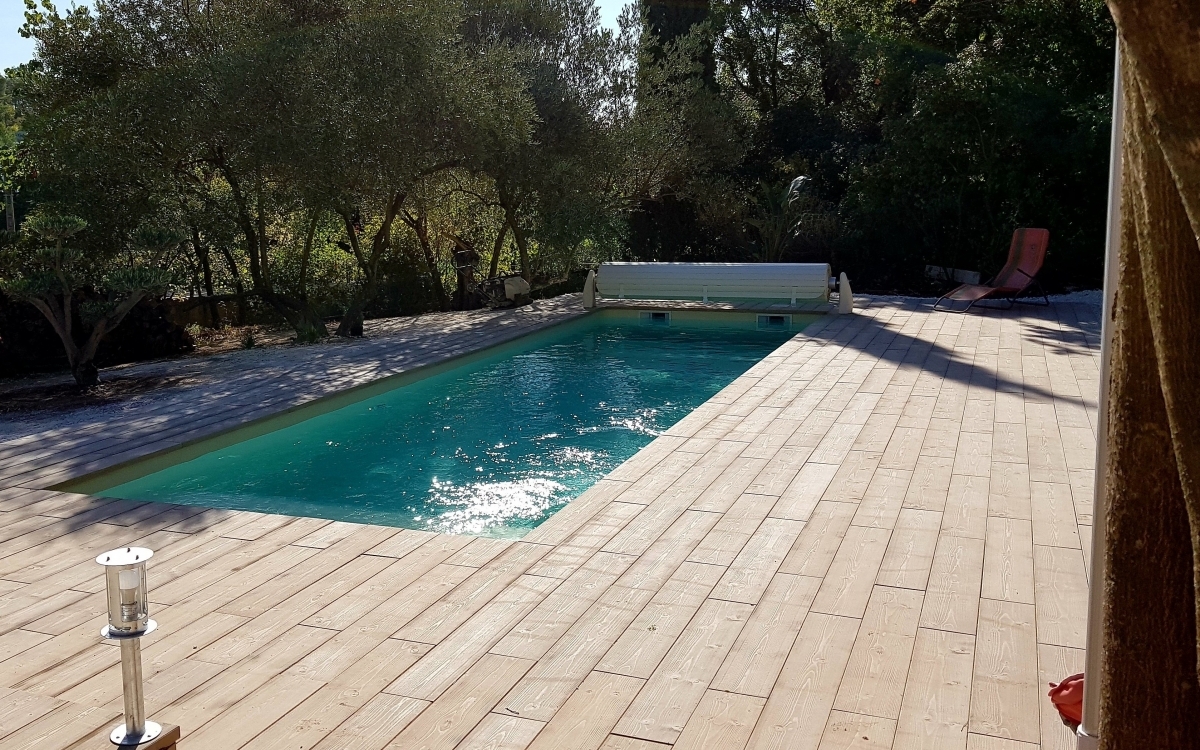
[[476, 507]]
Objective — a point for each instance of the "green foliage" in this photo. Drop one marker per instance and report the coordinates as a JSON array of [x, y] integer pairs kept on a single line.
[[9, 138], [139, 279], [9, 126], [978, 144], [54, 277], [31, 285], [789, 217], [56, 228], [930, 131], [301, 160], [157, 240]]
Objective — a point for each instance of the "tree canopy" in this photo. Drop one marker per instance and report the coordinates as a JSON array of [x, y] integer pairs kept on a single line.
[[344, 158]]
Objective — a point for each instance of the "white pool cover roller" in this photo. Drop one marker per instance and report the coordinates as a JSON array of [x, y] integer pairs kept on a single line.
[[715, 282]]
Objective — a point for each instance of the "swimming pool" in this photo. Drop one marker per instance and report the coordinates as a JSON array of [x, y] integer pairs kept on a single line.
[[490, 446]]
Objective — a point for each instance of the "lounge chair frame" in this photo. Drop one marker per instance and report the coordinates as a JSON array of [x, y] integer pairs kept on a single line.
[[1007, 294]]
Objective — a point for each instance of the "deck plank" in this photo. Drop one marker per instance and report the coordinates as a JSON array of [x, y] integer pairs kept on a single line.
[[449, 719], [878, 667], [496, 732], [847, 731], [590, 713], [847, 586], [640, 649], [1005, 692], [818, 543], [761, 648], [1054, 664], [872, 539], [804, 694], [457, 653], [952, 597], [909, 555], [937, 695], [375, 724], [551, 682], [723, 720], [675, 689], [1061, 596], [763, 553], [1008, 563]]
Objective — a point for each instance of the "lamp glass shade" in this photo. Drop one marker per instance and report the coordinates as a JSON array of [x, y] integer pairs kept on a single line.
[[128, 598]]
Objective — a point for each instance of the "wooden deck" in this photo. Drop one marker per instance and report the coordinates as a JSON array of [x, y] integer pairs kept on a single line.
[[876, 538]]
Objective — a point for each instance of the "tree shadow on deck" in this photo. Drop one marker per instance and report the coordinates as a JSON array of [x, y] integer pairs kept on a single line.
[[884, 340]]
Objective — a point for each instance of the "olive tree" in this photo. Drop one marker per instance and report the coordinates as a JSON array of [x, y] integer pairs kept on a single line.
[[559, 188], [410, 99], [210, 101], [58, 275]]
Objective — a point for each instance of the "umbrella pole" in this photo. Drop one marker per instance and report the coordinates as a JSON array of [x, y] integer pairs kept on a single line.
[[1088, 736]]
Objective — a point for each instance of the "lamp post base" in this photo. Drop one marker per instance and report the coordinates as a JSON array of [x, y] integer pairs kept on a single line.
[[1085, 741], [155, 737]]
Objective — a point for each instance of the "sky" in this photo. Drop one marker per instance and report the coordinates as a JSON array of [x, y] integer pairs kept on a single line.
[[14, 50]]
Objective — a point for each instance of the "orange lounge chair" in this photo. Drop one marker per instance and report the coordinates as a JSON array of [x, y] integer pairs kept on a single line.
[[1025, 258]]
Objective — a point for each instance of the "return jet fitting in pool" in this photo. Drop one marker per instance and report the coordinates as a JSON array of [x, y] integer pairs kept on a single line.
[[129, 620]]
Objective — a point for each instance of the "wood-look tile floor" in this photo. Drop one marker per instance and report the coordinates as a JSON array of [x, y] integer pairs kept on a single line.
[[875, 538]]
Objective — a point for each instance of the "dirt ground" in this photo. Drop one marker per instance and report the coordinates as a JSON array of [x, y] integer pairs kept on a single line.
[[56, 392], [232, 338], [46, 397]]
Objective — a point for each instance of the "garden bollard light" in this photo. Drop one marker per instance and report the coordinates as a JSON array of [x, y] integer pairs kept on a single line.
[[128, 621]]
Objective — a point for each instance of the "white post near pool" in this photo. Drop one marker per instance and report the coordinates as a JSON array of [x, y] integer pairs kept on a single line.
[[1088, 736]]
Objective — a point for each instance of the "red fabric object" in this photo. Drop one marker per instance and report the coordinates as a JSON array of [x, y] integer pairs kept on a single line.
[[1067, 697], [1026, 255]]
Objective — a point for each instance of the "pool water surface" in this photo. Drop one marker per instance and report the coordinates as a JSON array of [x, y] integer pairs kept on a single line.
[[491, 447]]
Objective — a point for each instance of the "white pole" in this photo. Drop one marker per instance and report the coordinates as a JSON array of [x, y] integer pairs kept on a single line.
[[1089, 729]]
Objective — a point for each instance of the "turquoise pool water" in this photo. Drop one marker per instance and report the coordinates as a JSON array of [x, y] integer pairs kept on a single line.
[[492, 447]]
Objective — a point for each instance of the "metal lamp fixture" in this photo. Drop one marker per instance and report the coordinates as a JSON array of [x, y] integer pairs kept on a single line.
[[129, 620]]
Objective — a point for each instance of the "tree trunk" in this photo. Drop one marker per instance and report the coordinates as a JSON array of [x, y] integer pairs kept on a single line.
[[522, 248], [434, 272], [494, 268], [352, 320], [511, 206], [1150, 691], [81, 360], [1149, 609], [214, 309], [305, 321], [306, 253], [465, 258], [59, 318], [243, 312], [420, 225], [351, 324], [297, 312], [86, 374]]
